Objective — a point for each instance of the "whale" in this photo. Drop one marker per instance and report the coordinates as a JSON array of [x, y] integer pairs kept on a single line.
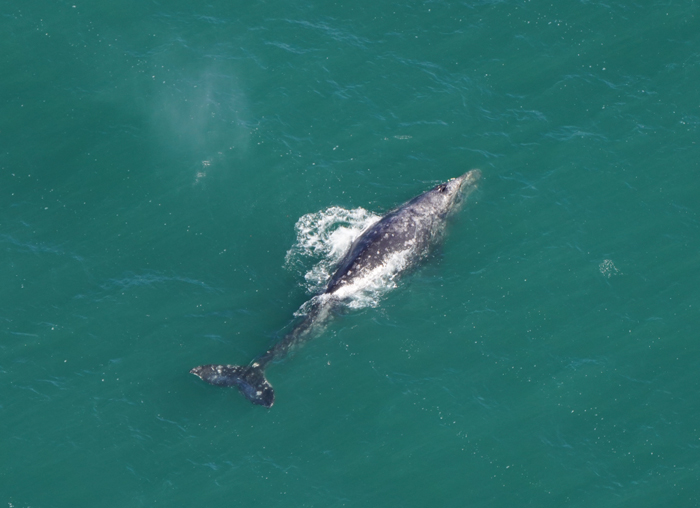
[[400, 240]]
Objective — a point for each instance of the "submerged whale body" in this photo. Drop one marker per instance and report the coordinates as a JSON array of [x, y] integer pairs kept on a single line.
[[398, 241]]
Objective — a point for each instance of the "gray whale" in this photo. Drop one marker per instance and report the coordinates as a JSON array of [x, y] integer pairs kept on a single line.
[[398, 241]]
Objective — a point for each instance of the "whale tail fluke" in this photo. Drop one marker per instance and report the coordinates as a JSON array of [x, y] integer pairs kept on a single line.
[[250, 380]]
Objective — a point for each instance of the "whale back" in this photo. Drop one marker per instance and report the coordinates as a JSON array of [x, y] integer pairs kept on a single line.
[[399, 239]]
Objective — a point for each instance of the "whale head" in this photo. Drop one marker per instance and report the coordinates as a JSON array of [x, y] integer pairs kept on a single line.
[[447, 198]]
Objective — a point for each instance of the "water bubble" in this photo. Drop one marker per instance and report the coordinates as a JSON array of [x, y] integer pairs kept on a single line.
[[608, 268]]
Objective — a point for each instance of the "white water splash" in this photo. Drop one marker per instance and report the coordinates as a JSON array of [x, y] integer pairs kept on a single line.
[[323, 238], [368, 289]]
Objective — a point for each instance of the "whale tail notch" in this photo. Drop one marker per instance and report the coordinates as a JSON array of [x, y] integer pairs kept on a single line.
[[250, 380]]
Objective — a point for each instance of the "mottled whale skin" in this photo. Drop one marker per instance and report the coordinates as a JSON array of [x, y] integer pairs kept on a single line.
[[398, 241]]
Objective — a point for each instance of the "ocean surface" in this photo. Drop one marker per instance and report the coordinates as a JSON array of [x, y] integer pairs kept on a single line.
[[156, 159]]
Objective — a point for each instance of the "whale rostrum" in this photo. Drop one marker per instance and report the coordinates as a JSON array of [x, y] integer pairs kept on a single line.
[[397, 242]]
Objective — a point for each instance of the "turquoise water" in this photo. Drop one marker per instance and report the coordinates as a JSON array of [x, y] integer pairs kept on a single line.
[[155, 157]]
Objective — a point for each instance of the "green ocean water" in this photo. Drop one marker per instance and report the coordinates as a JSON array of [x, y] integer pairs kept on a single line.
[[155, 157]]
